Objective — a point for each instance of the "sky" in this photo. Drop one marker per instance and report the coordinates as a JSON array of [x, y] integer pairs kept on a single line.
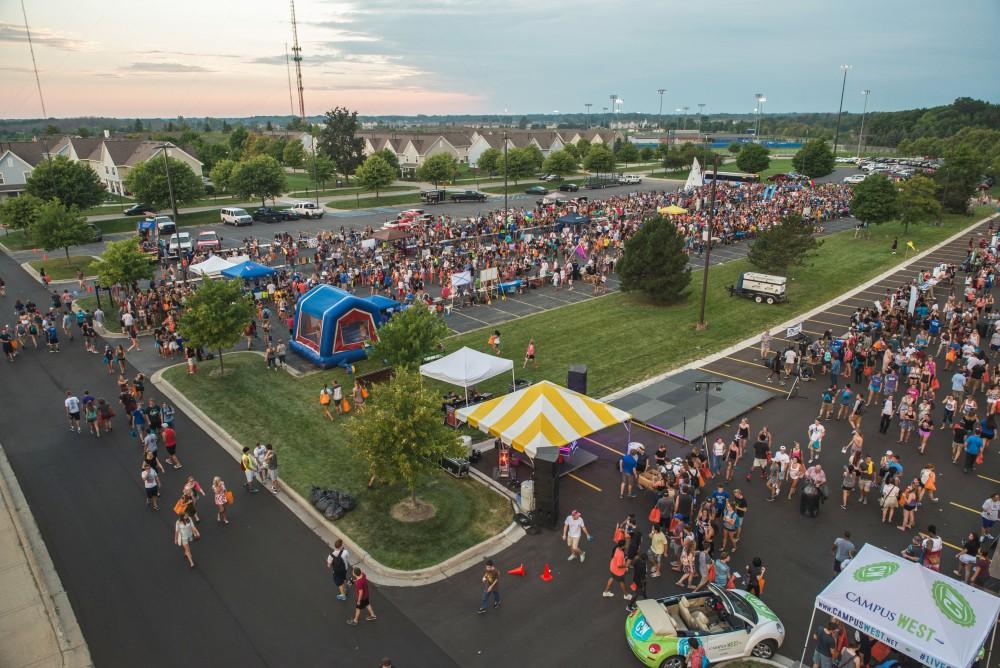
[[198, 58]]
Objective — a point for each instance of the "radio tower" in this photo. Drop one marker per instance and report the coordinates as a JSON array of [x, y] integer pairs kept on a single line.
[[297, 57]]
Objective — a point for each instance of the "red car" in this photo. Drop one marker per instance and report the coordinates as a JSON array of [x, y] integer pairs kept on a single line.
[[208, 240]]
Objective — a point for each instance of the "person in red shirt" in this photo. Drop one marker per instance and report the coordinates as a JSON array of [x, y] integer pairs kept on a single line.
[[618, 567], [170, 442], [362, 601]]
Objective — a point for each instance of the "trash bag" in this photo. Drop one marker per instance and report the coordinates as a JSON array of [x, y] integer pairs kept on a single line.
[[348, 502], [334, 512], [323, 504], [315, 494], [809, 500], [332, 495]]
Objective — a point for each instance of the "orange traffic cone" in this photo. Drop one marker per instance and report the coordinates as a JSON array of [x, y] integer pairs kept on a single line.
[[517, 571], [547, 573]]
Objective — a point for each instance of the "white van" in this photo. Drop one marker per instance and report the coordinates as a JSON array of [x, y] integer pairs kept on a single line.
[[232, 215]]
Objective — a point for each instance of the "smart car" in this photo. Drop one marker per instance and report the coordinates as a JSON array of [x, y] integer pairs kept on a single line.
[[729, 624]]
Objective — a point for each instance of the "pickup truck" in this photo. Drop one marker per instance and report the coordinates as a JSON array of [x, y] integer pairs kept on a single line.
[[468, 196], [308, 210]]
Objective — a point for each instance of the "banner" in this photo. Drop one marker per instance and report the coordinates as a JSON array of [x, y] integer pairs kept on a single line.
[[695, 178], [912, 305], [794, 330]]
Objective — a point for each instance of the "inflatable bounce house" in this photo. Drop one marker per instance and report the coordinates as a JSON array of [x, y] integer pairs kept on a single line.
[[333, 327]]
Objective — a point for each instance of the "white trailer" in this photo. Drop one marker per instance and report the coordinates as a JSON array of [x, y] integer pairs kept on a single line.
[[759, 287]]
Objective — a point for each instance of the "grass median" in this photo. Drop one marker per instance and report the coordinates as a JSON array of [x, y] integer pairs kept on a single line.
[[58, 269], [372, 201], [255, 404], [623, 340]]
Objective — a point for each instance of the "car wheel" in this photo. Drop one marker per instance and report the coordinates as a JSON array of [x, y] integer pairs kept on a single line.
[[758, 299], [673, 662], [770, 300], [764, 649]]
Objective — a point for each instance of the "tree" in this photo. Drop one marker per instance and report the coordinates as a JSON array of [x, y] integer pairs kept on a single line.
[[72, 183], [560, 163], [489, 160], [137, 126], [294, 154], [237, 140], [583, 147], [211, 154], [410, 336], [148, 182], [814, 159], [647, 153], [672, 159], [391, 158], [215, 315], [19, 213], [957, 178], [51, 129], [276, 148], [522, 123], [438, 168], [781, 247], [573, 150], [338, 140], [375, 173], [83, 132], [626, 152], [735, 147], [655, 263], [875, 200], [753, 158], [259, 176], [599, 159], [222, 175], [533, 153], [124, 264], [321, 168], [918, 201], [402, 435], [255, 145], [59, 227], [517, 164]]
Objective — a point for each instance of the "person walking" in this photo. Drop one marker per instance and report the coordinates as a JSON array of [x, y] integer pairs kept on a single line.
[[72, 405], [338, 396], [151, 483], [271, 465], [618, 566], [221, 498], [491, 586], [338, 561], [362, 595], [325, 397], [973, 447], [842, 550], [989, 515], [185, 533], [573, 529], [170, 443], [248, 464], [816, 432], [626, 468], [529, 355], [192, 490]]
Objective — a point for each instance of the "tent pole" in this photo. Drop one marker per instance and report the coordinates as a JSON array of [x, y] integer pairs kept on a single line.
[[989, 654], [466, 395], [513, 383], [809, 631]]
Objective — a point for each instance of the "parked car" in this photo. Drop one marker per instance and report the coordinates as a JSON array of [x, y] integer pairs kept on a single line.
[[165, 226], [233, 215], [569, 187], [208, 240], [266, 214], [548, 177], [855, 178], [290, 214], [137, 209], [433, 196], [729, 624], [308, 209], [537, 190], [468, 196], [179, 243]]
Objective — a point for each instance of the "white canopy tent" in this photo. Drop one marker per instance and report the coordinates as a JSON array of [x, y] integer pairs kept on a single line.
[[465, 367], [214, 265], [935, 619], [695, 178]]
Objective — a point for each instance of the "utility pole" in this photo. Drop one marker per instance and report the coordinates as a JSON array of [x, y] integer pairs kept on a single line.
[[505, 170], [701, 110], [659, 118], [759, 99], [866, 92], [614, 99], [708, 247], [707, 386], [588, 105], [297, 57], [288, 71], [836, 135], [685, 117], [170, 185]]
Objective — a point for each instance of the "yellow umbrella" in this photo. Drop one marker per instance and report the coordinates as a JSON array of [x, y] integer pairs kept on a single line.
[[672, 210]]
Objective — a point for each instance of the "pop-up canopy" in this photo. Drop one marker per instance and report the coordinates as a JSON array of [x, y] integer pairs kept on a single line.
[[247, 270], [935, 619], [542, 415], [214, 265], [466, 367]]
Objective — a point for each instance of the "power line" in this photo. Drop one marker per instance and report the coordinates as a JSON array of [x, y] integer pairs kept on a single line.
[[34, 64]]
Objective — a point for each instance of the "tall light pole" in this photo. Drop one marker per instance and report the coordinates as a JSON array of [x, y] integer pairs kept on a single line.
[[614, 99], [505, 177], [758, 97], [685, 117], [701, 110], [659, 118], [866, 92], [170, 185], [588, 105], [708, 246], [706, 386], [840, 111]]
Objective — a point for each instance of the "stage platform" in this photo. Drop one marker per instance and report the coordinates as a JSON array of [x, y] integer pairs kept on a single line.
[[673, 407]]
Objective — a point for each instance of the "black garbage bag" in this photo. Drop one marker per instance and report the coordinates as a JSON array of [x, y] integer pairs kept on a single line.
[[348, 502], [334, 511], [332, 495], [315, 493], [324, 503], [809, 500]]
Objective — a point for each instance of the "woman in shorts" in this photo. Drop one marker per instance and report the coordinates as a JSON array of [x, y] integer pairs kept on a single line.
[[924, 429], [90, 414], [151, 483], [184, 534], [732, 454], [795, 472], [219, 496]]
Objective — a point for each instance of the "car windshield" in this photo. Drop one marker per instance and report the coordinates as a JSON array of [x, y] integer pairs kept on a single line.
[[741, 607]]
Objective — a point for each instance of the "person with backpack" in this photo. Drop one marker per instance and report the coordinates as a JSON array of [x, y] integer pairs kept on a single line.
[[696, 654], [338, 562]]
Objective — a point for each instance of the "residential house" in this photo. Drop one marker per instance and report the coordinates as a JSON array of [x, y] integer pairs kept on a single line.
[[304, 138], [19, 158], [482, 140]]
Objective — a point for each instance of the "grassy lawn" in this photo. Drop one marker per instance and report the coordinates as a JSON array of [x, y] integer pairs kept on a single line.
[[111, 322], [333, 192], [519, 188], [370, 202], [628, 340], [254, 404], [59, 269]]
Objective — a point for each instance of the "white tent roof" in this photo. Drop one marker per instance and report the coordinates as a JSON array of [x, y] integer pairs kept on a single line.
[[215, 264], [466, 367], [935, 619], [695, 179]]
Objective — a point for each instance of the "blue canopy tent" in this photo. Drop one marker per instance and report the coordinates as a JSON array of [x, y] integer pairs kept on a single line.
[[573, 219], [247, 270], [386, 306], [333, 327]]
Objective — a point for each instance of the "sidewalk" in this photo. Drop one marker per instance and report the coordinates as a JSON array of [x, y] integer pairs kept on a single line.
[[37, 625]]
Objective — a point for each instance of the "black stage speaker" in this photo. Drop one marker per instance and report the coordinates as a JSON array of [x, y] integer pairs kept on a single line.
[[576, 380], [546, 488]]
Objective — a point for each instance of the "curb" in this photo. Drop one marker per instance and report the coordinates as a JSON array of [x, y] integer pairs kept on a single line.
[[798, 318], [71, 643], [778, 661], [328, 531]]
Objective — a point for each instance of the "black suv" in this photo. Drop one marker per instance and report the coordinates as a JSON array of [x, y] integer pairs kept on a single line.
[[468, 196], [569, 188], [269, 215], [137, 209]]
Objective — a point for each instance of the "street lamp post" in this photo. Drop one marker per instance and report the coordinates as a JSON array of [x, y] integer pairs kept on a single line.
[[170, 185], [866, 92], [588, 105], [659, 118], [701, 110], [758, 98], [707, 386], [685, 117], [840, 111], [505, 169], [614, 99], [708, 246]]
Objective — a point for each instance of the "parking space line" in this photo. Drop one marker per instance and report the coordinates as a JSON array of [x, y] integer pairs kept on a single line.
[[581, 480], [740, 380], [989, 478], [959, 505], [606, 447], [832, 324], [737, 359], [519, 301], [468, 316], [563, 301]]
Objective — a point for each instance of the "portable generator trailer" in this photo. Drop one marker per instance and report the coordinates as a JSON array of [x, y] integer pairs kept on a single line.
[[760, 287]]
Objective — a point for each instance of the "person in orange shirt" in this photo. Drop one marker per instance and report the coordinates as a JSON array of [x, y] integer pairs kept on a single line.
[[618, 567]]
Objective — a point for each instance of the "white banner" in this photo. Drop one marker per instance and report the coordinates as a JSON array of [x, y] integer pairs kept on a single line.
[[794, 330], [490, 274], [368, 244], [912, 305]]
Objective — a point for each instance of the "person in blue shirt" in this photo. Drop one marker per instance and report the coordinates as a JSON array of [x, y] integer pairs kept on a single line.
[[139, 423], [835, 368], [719, 498], [626, 466], [973, 446]]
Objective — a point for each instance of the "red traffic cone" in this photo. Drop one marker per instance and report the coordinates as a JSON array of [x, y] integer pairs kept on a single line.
[[517, 571], [547, 573]]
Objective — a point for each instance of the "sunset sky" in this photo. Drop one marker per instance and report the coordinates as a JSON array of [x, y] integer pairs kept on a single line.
[[226, 58]]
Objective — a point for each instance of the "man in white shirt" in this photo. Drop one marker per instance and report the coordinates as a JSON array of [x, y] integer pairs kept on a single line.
[[127, 320], [573, 527], [789, 362], [991, 508], [258, 454], [72, 404], [781, 456], [718, 454], [816, 432]]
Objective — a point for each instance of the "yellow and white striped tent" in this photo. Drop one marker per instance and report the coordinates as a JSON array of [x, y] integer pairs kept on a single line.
[[540, 415]]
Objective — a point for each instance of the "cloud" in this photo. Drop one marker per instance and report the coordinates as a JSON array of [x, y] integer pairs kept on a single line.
[[155, 52], [13, 32], [156, 68]]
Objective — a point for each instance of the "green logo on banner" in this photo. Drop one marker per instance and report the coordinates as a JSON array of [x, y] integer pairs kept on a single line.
[[952, 604], [876, 571]]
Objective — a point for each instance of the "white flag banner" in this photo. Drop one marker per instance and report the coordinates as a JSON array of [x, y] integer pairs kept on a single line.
[[878, 306], [695, 178], [794, 330], [912, 304]]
